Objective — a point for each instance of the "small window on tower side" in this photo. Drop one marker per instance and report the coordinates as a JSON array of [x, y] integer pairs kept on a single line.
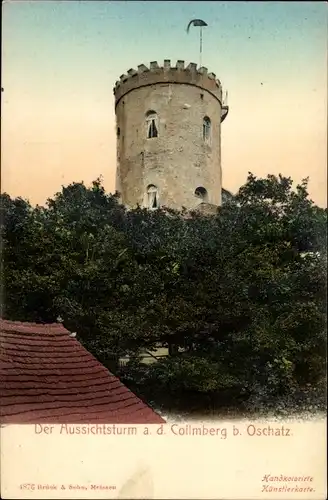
[[152, 124], [201, 193], [207, 129], [152, 129], [152, 197]]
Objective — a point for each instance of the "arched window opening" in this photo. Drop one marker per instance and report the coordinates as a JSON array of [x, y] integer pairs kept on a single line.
[[152, 195], [206, 129], [152, 124], [118, 131], [201, 193]]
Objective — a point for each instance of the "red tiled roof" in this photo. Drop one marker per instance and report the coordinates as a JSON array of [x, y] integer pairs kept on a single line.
[[48, 376]]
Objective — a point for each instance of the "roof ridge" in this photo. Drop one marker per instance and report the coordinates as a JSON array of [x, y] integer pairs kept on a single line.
[[29, 323], [32, 328]]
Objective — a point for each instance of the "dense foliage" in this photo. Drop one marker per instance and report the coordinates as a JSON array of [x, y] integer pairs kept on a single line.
[[238, 297]]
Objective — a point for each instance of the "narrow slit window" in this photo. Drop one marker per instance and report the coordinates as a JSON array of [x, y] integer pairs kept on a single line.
[[152, 130], [206, 129], [152, 124], [153, 199]]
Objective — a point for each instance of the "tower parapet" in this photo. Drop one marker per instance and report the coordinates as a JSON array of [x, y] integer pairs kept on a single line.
[[179, 74]]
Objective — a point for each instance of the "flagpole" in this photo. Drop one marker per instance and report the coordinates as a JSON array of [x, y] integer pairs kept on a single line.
[[199, 23]]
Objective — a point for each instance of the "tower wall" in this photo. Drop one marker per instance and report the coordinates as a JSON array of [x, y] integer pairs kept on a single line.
[[179, 159]]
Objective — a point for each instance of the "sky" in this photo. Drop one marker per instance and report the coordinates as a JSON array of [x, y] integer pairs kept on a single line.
[[60, 61]]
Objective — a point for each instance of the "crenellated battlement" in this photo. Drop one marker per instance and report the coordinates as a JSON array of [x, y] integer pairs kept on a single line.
[[153, 74]]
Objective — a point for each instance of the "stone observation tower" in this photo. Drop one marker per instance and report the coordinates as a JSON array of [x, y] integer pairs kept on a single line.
[[168, 126]]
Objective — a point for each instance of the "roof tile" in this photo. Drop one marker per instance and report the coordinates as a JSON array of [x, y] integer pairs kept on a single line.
[[47, 376]]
